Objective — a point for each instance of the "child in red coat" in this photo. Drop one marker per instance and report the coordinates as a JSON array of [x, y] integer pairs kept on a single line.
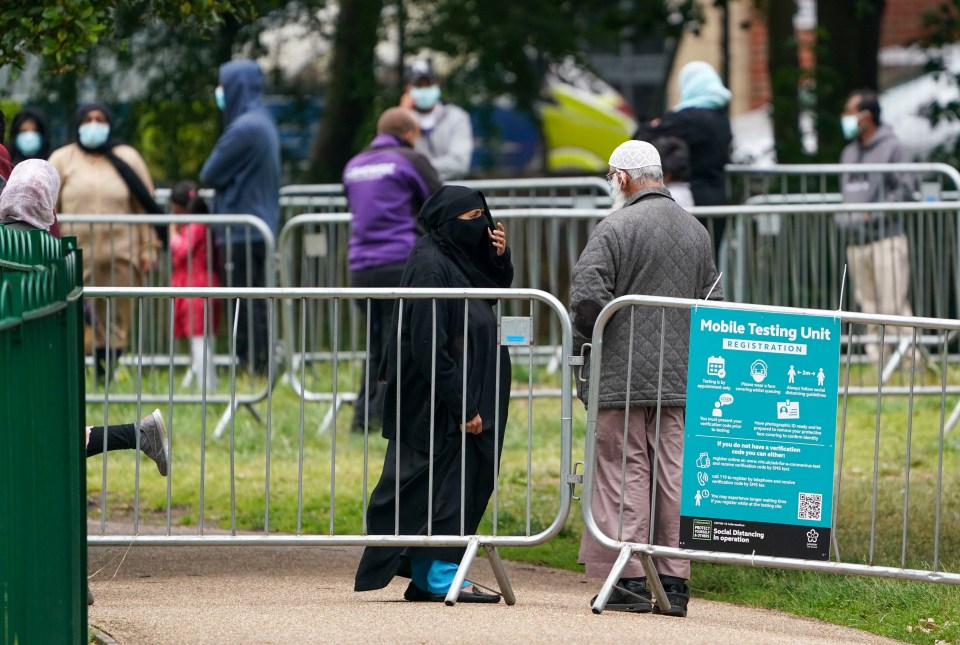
[[194, 264]]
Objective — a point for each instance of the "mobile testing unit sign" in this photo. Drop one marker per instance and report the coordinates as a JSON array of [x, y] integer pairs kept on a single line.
[[760, 435]]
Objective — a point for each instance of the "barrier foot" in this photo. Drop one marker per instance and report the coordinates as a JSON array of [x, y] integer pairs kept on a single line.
[[653, 580], [954, 417], [224, 421], [895, 359], [611, 581], [331, 413], [253, 411], [503, 581], [462, 571]]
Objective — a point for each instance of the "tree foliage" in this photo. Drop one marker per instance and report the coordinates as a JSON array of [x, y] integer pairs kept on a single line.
[[503, 46], [848, 40], [62, 32]]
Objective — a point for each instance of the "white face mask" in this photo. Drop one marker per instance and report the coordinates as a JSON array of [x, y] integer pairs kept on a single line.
[[94, 135]]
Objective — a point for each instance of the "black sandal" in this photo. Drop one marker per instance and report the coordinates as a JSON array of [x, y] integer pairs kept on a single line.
[[476, 595]]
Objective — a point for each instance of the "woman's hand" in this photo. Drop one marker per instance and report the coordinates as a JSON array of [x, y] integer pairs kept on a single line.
[[499, 237], [474, 425]]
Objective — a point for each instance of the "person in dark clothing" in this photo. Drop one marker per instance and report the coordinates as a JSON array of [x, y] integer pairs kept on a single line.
[[244, 168], [29, 137], [462, 248], [385, 185], [701, 120]]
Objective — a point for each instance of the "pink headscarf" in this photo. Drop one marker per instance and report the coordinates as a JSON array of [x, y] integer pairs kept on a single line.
[[31, 194]]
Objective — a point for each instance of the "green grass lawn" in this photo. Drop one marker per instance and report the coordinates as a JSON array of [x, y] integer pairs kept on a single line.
[[911, 611]]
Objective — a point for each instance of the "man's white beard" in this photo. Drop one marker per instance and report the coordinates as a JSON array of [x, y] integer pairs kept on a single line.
[[619, 198]]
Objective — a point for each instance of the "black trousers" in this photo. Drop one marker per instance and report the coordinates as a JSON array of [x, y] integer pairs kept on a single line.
[[239, 270], [370, 395], [379, 565]]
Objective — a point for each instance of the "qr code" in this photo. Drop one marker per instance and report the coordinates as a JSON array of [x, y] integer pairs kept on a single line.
[[810, 506]]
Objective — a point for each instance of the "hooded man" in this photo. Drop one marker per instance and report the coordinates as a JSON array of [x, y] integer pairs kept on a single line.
[[447, 136], [876, 244], [385, 185], [244, 169], [647, 245]]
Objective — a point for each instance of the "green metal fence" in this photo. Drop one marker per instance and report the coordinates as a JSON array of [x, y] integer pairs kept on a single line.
[[43, 555]]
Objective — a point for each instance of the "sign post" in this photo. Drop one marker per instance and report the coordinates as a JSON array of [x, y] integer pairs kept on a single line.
[[760, 437]]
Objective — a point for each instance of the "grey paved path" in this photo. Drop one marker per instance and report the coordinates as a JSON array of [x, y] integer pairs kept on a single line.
[[304, 595]]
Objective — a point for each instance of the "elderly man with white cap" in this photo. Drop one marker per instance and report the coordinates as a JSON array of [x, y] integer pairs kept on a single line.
[[647, 245]]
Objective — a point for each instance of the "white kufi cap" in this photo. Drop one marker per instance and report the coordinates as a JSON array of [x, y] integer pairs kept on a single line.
[[631, 155]]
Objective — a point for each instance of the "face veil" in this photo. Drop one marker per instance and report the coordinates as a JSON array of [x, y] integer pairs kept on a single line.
[[466, 242]]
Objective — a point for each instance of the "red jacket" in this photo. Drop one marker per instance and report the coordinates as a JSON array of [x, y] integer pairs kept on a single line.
[[6, 164], [189, 252]]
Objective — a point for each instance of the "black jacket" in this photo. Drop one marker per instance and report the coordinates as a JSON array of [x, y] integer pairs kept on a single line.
[[429, 267], [707, 133]]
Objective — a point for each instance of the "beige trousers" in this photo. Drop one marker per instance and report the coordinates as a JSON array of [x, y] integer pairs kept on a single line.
[[880, 279], [641, 451]]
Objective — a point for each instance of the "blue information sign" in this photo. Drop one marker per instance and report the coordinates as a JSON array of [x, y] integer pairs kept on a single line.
[[760, 437]]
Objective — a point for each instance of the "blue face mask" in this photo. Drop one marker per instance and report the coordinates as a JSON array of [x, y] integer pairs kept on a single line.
[[28, 143], [424, 98], [850, 125], [94, 135], [220, 98]]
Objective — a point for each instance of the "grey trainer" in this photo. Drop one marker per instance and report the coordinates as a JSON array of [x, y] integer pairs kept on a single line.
[[153, 440]]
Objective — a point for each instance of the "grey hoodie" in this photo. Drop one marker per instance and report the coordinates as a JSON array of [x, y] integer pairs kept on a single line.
[[865, 188], [446, 140]]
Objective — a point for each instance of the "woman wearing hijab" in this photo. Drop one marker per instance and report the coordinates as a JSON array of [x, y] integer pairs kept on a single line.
[[462, 249], [28, 136], [101, 177], [29, 199], [700, 119]]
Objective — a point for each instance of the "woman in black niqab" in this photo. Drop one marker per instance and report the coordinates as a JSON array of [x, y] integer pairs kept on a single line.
[[462, 249]]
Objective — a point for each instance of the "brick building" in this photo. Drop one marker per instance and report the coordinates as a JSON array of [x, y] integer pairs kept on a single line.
[[902, 23]]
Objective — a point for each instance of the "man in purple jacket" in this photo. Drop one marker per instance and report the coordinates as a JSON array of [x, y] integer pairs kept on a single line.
[[385, 185]]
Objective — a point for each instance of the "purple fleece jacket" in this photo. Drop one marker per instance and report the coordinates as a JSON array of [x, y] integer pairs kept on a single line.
[[386, 185]]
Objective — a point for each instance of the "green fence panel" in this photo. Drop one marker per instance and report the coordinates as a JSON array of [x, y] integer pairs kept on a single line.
[[42, 483]]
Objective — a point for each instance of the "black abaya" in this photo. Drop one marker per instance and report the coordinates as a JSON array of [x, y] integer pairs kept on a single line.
[[429, 266]]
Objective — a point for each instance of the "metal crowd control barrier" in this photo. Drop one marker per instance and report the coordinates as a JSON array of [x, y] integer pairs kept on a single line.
[[888, 497], [818, 181], [155, 346], [299, 484], [162, 195], [313, 253], [760, 259], [797, 262], [43, 551], [552, 192]]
